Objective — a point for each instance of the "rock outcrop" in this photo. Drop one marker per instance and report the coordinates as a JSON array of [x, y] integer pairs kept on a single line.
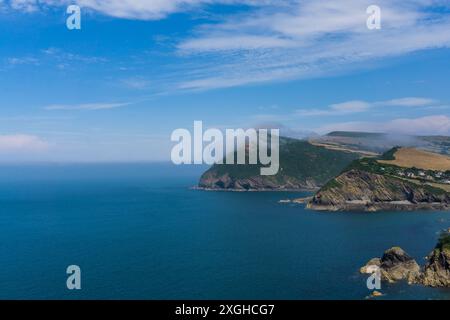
[[394, 265], [397, 265], [436, 272], [371, 266]]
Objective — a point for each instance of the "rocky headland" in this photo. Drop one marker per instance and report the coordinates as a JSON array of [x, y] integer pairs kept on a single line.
[[303, 166], [358, 190], [382, 184]]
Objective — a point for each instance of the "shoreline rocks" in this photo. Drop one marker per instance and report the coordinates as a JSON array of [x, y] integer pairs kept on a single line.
[[372, 266], [436, 272], [212, 181], [375, 294], [396, 265]]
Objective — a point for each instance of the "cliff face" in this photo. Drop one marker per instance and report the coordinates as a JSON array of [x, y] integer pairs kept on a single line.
[[214, 181], [361, 190], [436, 272], [303, 166]]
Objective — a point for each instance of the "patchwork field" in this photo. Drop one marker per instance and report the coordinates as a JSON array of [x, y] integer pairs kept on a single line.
[[409, 157]]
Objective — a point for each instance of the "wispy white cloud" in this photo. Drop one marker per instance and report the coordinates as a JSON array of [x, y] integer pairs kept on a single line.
[[342, 108], [53, 57], [86, 106], [409, 102], [24, 5], [240, 42], [132, 9], [429, 125], [309, 39], [21, 60], [279, 40], [66, 57], [436, 124], [136, 83], [358, 106], [22, 142]]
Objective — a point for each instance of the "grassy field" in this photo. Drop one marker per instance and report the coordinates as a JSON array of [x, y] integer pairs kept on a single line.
[[409, 157], [330, 146]]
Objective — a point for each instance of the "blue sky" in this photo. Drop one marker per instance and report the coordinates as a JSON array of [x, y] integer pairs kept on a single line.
[[137, 70]]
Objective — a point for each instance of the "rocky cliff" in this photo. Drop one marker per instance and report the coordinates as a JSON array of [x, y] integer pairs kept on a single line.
[[303, 166], [212, 180], [436, 272], [357, 189]]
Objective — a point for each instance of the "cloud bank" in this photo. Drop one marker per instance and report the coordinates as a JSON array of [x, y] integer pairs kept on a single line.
[[22, 142]]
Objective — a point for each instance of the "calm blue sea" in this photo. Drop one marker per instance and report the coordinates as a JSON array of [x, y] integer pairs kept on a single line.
[[139, 232]]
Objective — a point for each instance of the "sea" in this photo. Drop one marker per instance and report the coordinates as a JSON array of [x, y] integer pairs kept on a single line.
[[140, 231]]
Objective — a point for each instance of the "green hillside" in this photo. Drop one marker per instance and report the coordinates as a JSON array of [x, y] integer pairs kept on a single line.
[[302, 165], [372, 184]]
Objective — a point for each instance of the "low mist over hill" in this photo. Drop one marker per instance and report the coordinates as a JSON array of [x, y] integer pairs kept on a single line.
[[381, 142], [302, 166]]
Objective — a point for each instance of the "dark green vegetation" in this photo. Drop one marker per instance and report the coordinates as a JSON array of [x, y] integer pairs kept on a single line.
[[333, 183], [301, 164], [354, 134], [444, 242], [389, 155]]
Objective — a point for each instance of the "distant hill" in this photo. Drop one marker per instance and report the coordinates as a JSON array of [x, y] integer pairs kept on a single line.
[[355, 134], [302, 166], [400, 179], [368, 142]]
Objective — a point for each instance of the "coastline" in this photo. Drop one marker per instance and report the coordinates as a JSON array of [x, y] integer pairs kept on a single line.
[[369, 206], [253, 190], [380, 207]]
